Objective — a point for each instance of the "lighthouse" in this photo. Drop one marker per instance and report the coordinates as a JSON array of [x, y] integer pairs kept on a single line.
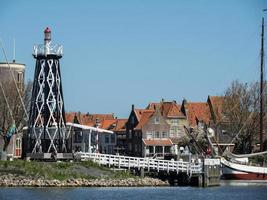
[[47, 134]]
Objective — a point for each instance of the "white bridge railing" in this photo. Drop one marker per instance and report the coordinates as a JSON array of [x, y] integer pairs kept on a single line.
[[145, 163]]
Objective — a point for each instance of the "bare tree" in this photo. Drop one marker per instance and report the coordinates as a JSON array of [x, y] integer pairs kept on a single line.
[[240, 111], [16, 115]]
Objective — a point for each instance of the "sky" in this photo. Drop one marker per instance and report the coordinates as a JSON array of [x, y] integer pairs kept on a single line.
[[121, 52]]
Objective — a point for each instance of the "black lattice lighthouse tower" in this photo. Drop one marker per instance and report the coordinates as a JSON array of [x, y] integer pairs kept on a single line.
[[47, 129]]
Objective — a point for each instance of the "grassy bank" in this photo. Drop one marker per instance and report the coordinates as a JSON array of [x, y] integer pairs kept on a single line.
[[60, 170]]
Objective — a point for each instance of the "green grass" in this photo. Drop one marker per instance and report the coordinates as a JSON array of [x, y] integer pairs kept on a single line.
[[59, 170], [92, 164], [122, 175]]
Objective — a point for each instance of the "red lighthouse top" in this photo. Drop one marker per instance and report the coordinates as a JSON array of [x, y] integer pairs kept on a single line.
[[47, 34], [47, 30]]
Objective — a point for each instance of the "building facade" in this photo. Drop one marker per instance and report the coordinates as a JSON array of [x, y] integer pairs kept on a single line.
[[9, 73], [175, 117], [103, 142], [148, 133], [18, 71]]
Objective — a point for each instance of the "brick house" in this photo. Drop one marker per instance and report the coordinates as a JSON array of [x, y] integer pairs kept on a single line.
[[219, 123], [120, 131], [197, 113], [147, 133], [174, 116], [113, 143], [200, 114]]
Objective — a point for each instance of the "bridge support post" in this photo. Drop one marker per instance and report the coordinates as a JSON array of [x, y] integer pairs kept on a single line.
[[211, 172], [142, 172]]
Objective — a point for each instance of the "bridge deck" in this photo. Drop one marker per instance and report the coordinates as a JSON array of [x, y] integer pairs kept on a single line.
[[145, 163]]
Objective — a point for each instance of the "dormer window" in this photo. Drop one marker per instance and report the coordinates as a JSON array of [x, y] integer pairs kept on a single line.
[[156, 120], [174, 121]]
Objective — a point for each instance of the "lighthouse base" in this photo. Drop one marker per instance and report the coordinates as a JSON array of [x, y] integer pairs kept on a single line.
[[49, 156]]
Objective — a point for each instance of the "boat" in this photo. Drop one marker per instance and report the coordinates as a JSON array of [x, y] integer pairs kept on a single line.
[[238, 167], [241, 169]]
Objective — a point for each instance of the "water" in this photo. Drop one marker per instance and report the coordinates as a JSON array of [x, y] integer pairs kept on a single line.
[[228, 191]]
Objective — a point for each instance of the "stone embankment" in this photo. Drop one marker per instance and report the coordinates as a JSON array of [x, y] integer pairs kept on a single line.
[[22, 181]]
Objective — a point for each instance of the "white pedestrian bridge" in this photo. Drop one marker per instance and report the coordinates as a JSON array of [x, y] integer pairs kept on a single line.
[[143, 163]]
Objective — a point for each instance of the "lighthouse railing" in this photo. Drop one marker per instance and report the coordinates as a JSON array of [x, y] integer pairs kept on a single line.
[[52, 49]]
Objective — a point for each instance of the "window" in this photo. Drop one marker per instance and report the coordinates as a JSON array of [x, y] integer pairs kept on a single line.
[[174, 121], [78, 137], [151, 149], [20, 77], [157, 135], [18, 143], [130, 134], [158, 149], [112, 138], [106, 139], [153, 134], [149, 135], [164, 135], [201, 124], [156, 120], [130, 146], [18, 147]]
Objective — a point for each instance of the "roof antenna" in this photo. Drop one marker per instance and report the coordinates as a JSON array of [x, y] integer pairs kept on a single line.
[[14, 50]]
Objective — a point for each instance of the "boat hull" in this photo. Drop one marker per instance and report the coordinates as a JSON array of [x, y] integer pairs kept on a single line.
[[232, 174], [236, 171]]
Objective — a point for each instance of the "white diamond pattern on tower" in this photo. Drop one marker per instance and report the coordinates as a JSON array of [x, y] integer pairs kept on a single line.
[[47, 115]]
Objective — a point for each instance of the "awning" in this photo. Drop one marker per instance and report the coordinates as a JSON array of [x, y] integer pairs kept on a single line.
[[157, 142]]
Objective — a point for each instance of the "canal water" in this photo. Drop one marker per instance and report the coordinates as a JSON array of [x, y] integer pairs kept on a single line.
[[227, 191]]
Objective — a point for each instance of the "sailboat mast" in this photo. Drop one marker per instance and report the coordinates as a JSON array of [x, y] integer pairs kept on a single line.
[[262, 86]]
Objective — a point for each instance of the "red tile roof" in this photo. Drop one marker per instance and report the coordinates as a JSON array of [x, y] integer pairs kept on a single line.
[[116, 125], [139, 112], [144, 118], [121, 125], [108, 124], [153, 106], [198, 112], [87, 119], [158, 142], [168, 109], [70, 116]]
